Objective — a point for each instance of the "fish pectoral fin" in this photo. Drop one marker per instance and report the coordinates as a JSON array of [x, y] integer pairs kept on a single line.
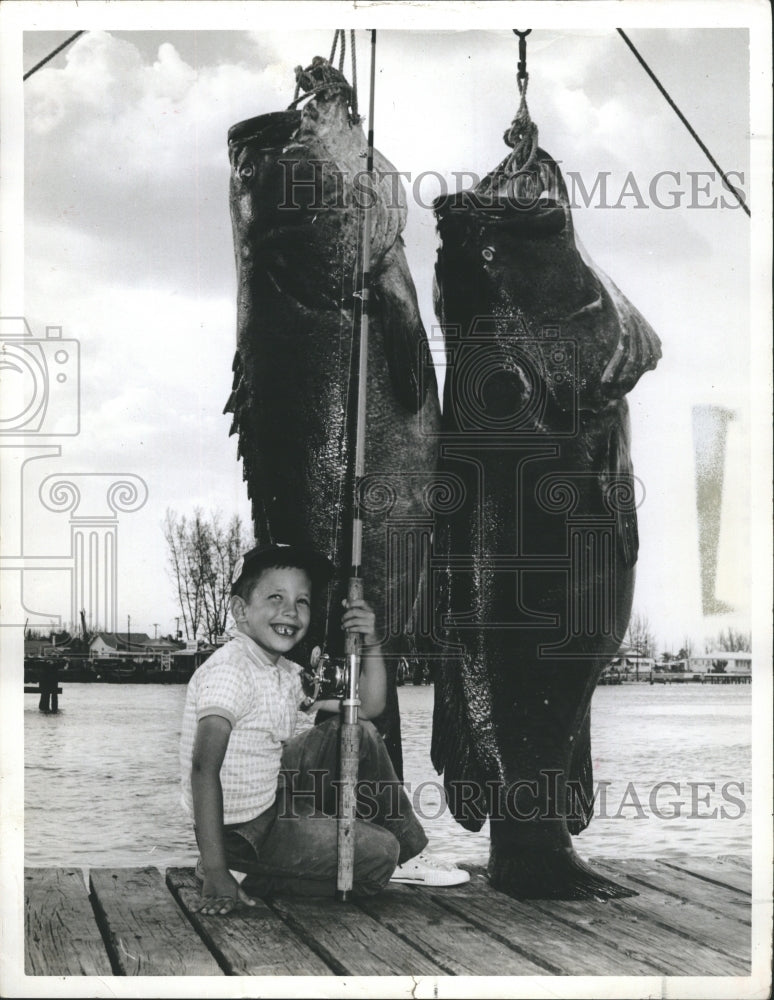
[[619, 473], [638, 349], [405, 345]]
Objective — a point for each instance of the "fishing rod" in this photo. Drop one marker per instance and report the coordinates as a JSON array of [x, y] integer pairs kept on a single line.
[[350, 729]]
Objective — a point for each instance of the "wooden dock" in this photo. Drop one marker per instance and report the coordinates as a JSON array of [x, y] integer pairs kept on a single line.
[[686, 921]]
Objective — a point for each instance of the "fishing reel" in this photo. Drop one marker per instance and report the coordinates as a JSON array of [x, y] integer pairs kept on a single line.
[[327, 677]]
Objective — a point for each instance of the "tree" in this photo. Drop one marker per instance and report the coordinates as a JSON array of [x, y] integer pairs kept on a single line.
[[639, 635], [729, 640], [202, 554], [225, 545], [733, 641]]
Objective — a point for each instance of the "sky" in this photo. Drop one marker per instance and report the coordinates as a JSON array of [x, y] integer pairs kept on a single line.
[[127, 247]]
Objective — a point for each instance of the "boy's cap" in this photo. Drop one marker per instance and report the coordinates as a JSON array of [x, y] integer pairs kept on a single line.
[[318, 566]]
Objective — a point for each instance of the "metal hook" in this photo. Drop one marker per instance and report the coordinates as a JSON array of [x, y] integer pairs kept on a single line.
[[522, 74]]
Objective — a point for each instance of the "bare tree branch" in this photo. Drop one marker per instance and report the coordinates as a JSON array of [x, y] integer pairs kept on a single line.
[[202, 554]]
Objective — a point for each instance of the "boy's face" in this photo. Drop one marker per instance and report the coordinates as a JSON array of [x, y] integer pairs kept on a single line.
[[277, 615]]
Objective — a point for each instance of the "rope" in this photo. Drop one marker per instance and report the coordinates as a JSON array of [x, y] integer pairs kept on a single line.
[[322, 76], [51, 55], [737, 194], [522, 136], [353, 49], [315, 90], [333, 47], [343, 38]]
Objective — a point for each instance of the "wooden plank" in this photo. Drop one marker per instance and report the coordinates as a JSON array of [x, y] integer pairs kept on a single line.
[[350, 941], [715, 872], [729, 938], [146, 932], [542, 937], [250, 941], [561, 927], [655, 875], [460, 947], [716, 926], [726, 937], [665, 949], [60, 930]]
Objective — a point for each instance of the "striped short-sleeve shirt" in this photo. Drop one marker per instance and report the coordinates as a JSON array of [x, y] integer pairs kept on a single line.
[[260, 700]]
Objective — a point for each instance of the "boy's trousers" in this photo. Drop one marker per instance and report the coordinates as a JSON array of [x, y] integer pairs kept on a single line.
[[292, 847]]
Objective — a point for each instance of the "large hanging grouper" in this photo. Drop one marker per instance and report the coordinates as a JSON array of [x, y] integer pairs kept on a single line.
[[537, 558], [298, 186]]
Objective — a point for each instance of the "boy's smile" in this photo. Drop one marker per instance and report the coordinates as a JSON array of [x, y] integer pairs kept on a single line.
[[279, 610]]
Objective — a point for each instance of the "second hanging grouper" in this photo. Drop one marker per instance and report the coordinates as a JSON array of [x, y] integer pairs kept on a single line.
[[537, 557]]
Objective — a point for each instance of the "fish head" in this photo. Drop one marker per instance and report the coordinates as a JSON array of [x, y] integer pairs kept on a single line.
[[509, 267], [259, 178], [290, 224], [297, 192], [497, 237]]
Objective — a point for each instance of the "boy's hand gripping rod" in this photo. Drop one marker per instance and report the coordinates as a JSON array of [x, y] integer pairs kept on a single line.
[[350, 730]]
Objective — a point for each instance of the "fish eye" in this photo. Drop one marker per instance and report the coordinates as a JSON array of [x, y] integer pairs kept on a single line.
[[246, 171], [488, 253]]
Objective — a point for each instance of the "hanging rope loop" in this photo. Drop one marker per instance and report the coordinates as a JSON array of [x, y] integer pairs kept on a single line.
[[322, 76], [522, 135]]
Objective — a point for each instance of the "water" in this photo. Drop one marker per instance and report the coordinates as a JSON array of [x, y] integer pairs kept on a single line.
[[102, 780]]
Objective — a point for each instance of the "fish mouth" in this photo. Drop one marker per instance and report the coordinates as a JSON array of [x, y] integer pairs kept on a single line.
[[269, 130], [532, 202]]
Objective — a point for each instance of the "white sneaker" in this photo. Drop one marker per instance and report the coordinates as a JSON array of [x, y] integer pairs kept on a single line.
[[426, 870]]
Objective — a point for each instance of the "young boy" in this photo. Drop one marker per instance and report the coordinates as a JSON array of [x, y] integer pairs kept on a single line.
[[262, 802]]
